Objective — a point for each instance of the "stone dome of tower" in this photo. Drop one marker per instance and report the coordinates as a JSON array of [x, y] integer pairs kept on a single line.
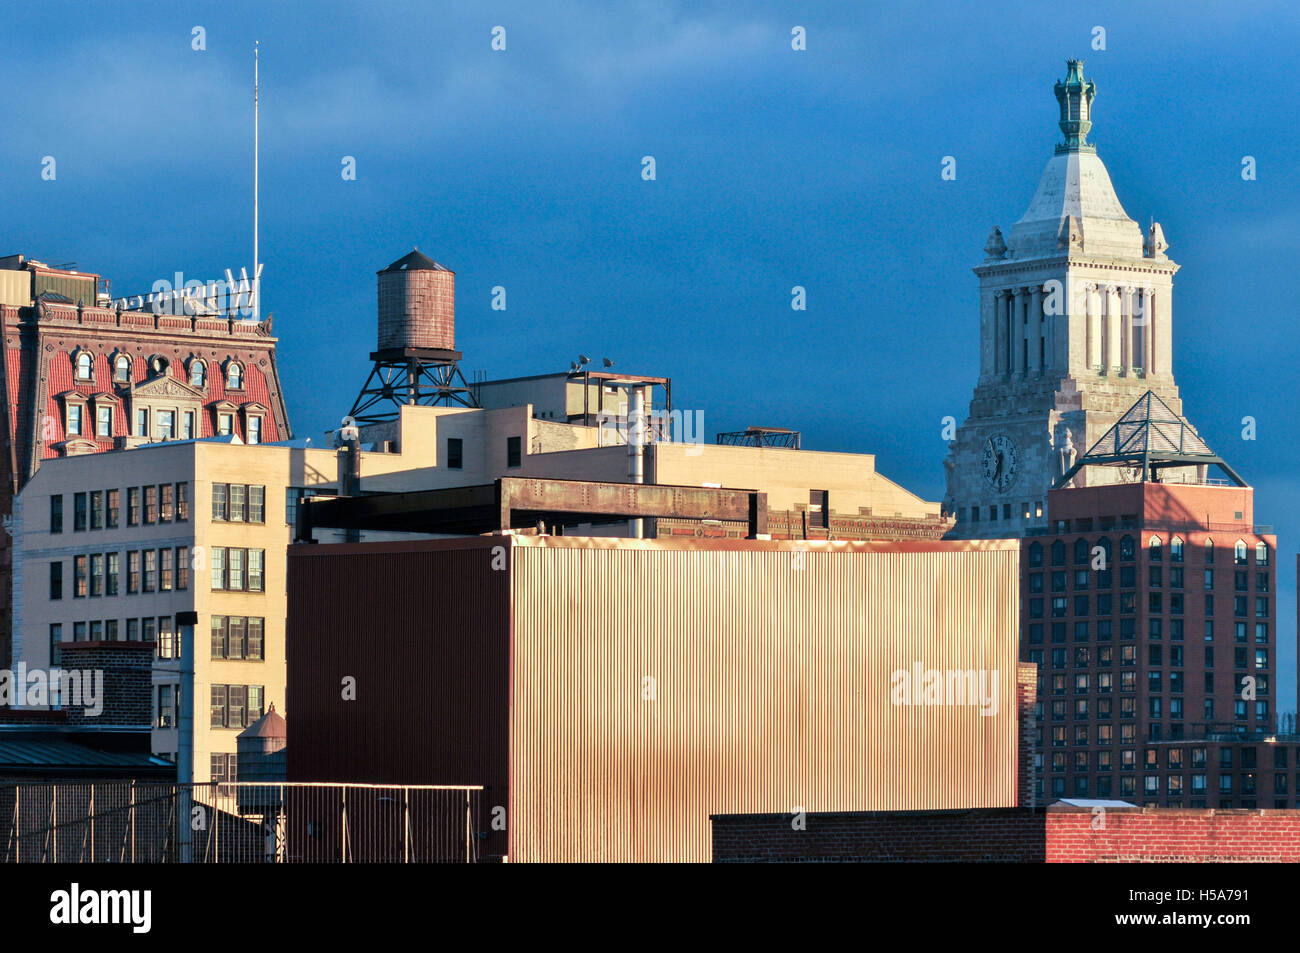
[[1075, 206]]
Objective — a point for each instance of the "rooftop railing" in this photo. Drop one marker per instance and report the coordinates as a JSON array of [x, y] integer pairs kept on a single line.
[[243, 822]]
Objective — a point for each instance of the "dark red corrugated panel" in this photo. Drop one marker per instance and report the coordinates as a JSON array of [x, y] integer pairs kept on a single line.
[[424, 633]]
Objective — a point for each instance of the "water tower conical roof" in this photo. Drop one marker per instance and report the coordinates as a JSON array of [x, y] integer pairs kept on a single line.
[[415, 261], [270, 725]]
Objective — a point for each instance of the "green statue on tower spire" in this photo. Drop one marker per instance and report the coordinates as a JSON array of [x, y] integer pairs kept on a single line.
[[1075, 96]]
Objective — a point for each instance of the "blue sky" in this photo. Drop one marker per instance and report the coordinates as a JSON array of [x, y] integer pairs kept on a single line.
[[774, 168]]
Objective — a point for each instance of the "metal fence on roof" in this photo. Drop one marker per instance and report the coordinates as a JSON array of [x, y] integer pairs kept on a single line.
[[244, 822]]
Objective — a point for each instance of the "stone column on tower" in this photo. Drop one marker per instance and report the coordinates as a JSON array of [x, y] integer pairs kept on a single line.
[[1112, 328], [1094, 326], [1162, 320], [1017, 328], [1148, 334], [1034, 331], [1128, 329], [1000, 331]]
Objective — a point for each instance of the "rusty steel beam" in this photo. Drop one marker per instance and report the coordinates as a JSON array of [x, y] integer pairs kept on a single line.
[[517, 502]]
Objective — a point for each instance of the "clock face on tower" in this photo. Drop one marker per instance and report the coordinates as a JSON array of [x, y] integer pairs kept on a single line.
[[1001, 461]]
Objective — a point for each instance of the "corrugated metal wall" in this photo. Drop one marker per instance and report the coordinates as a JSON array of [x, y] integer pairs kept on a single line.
[[771, 687], [15, 287], [771, 683]]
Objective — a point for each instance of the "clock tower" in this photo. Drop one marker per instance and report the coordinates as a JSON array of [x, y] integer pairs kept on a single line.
[[1075, 325]]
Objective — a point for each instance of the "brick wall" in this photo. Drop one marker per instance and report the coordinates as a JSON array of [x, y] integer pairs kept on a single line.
[[127, 693], [1006, 835], [1055, 835], [1157, 835]]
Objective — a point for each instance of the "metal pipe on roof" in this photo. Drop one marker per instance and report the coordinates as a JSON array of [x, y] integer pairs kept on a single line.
[[636, 450]]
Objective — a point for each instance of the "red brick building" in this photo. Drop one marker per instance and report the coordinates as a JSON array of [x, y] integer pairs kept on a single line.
[[1149, 608], [84, 375], [1063, 833]]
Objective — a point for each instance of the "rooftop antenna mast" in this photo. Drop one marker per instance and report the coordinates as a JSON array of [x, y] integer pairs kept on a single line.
[[257, 267]]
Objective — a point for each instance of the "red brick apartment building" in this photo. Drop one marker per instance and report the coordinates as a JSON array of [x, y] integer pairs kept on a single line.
[[83, 373], [1149, 608]]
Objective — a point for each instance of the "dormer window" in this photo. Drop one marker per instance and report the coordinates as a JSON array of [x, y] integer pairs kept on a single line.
[[122, 369], [103, 421], [76, 413], [165, 424], [254, 418], [234, 376], [85, 366], [198, 373], [158, 365]]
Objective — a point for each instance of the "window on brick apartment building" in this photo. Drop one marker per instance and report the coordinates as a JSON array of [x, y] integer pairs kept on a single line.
[[168, 696], [56, 643], [167, 647], [240, 503], [224, 768], [238, 569], [235, 706], [819, 508]]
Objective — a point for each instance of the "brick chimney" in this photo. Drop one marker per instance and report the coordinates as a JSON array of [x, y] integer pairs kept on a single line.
[[126, 691]]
